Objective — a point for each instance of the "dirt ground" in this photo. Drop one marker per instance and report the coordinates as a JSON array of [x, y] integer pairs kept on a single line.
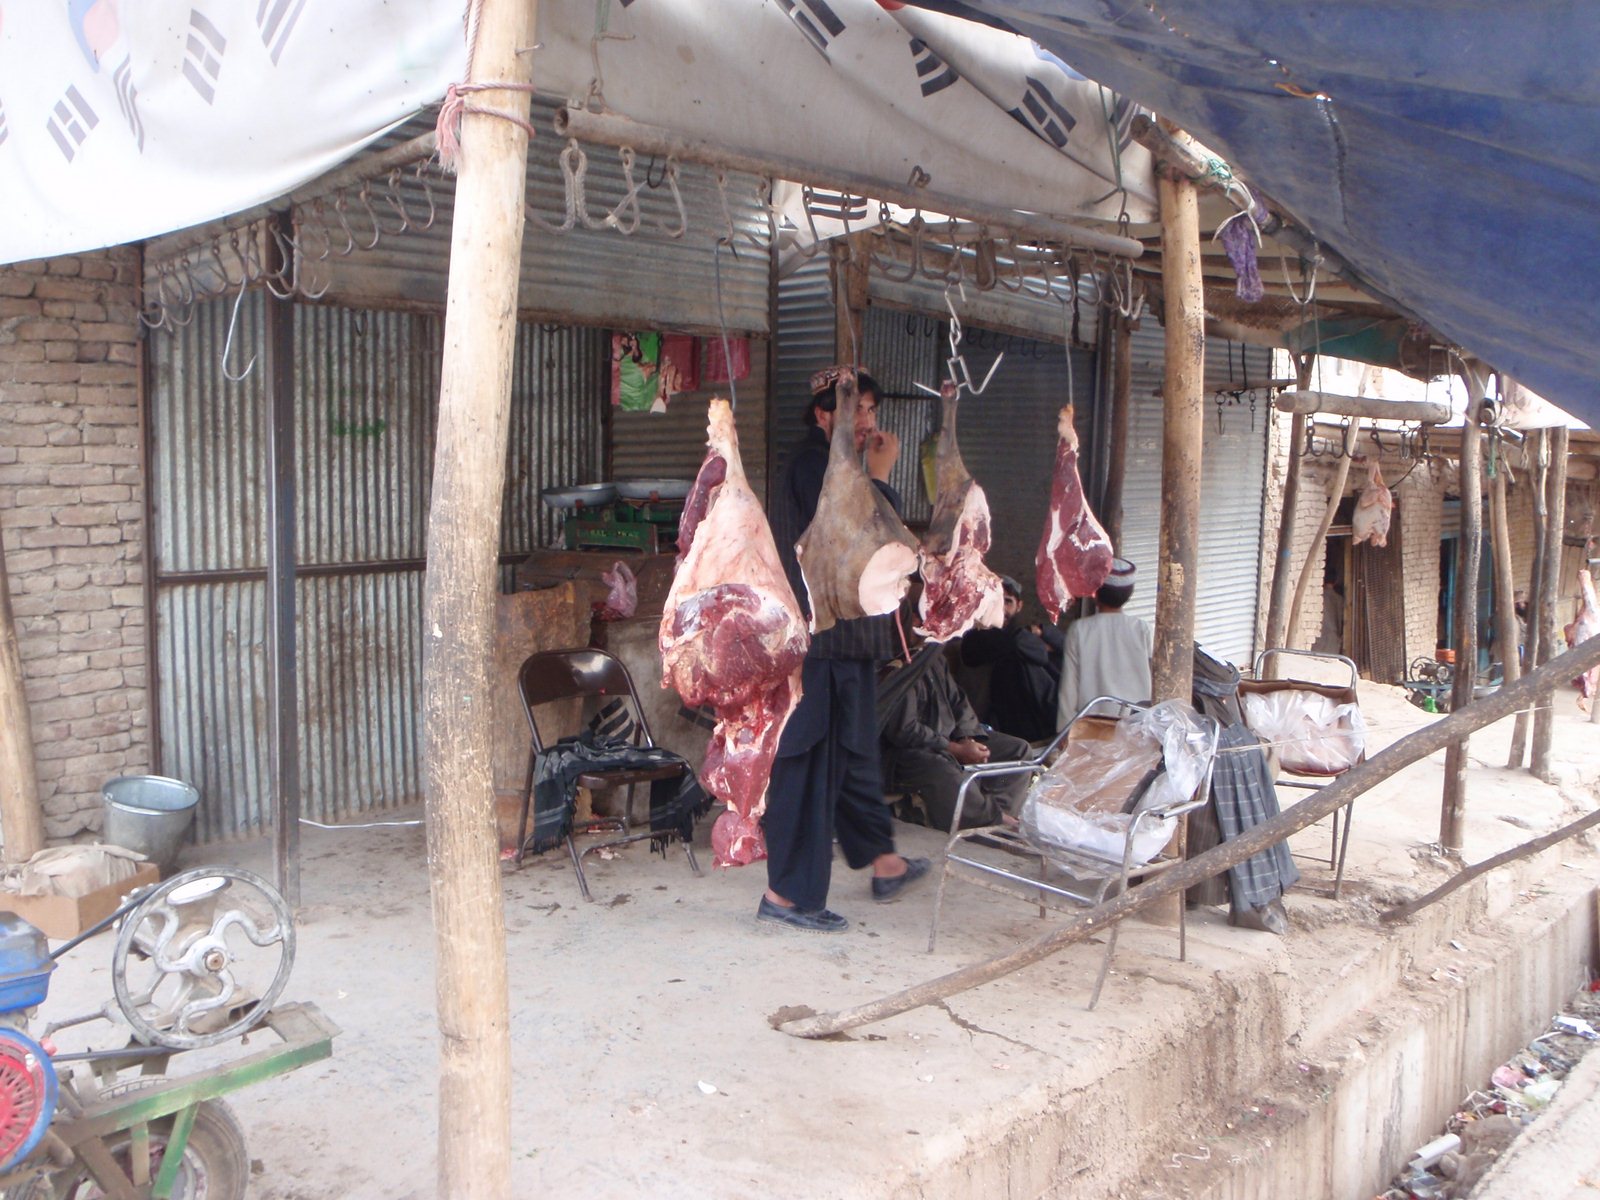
[[645, 1065]]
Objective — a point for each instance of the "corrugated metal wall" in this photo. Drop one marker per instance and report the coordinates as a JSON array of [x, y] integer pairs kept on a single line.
[[646, 280], [671, 445], [1233, 480], [805, 343], [902, 350], [366, 400]]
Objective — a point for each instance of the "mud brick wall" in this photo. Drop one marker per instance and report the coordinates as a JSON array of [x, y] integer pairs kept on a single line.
[[71, 513]]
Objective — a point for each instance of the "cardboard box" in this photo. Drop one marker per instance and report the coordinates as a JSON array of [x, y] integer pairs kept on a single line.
[[62, 917]]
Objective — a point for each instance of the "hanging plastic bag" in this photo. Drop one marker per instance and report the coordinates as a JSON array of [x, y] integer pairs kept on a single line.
[[622, 598]]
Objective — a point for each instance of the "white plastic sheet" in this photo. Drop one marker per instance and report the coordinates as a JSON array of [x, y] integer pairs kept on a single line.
[[1313, 734]]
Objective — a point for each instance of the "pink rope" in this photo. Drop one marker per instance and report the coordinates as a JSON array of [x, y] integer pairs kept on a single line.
[[447, 129]]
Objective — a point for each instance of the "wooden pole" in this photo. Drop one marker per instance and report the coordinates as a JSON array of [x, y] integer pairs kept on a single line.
[[1469, 561], [1467, 874], [1504, 588], [850, 301], [1305, 403], [1349, 786], [1183, 427], [1121, 415], [1317, 550], [1283, 558], [1535, 652], [474, 1138], [1554, 534], [21, 818]]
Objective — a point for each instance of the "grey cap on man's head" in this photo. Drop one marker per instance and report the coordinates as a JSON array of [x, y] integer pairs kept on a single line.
[[1010, 586]]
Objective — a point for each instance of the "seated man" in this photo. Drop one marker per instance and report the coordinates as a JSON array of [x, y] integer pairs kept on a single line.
[[1024, 661], [929, 733]]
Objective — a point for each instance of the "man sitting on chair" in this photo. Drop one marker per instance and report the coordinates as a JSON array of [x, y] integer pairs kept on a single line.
[[930, 733]]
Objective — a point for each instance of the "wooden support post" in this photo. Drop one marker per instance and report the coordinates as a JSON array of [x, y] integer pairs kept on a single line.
[[849, 300], [1283, 558], [1304, 402], [283, 709], [21, 818], [474, 1132], [1183, 428], [1121, 413], [1317, 550], [1554, 533], [1469, 555], [1349, 786], [1505, 621], [1535, 652]]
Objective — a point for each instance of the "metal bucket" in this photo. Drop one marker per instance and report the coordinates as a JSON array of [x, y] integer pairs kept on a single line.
[[150, 814]]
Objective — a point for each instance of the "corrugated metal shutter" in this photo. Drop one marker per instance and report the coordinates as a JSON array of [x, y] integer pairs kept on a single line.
[[583, 276], [671, 445], [903, 350], [805, 344], [1233, 481], [366, 402]]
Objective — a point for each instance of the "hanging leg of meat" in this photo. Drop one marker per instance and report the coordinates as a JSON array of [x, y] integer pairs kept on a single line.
[[1374, 507], [958, 591], [1074, 556], [732, 637], [856, 556]]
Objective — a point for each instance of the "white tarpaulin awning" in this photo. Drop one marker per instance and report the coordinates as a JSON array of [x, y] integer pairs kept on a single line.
[[116, 126]]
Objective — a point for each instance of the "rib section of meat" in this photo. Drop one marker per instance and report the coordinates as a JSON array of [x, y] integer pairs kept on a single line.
[[732, 637], [856, 556], [1374, 507], [958, 590], [1074, 555]]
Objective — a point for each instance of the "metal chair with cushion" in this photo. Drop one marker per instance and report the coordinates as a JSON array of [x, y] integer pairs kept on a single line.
[[554, 675]]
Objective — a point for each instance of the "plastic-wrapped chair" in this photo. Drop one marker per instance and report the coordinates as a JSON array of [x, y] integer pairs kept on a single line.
[[1302, 768], [1093, 873], [552, 675]]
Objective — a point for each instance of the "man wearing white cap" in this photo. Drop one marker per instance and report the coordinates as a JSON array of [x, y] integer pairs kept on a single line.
[[1107, 654]]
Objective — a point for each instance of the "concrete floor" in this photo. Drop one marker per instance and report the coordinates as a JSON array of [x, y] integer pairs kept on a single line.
[[645, 1065]]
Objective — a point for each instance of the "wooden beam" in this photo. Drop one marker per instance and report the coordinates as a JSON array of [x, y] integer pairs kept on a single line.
[[474, 1130], [1554, 535], [1183, 429], [849, 274], [1535, 652], [1469, 560], [1283, 558], [1317, 550], [1317, 805], [1467, 874], [21, 818], [1121, 415], [1505, 595], [1429, 412]]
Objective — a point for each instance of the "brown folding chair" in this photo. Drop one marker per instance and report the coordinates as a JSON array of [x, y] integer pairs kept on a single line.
[[564, 674]]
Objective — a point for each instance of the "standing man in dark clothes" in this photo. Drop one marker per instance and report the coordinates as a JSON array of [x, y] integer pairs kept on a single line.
[[1025, 669], [930, 733], [826, 778]]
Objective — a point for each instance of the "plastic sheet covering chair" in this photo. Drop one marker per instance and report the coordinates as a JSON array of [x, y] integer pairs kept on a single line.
[[1299, 770], [1068, 878], [561, 675]]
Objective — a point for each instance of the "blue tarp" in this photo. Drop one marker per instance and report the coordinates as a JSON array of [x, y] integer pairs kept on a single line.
[[1455, 162]]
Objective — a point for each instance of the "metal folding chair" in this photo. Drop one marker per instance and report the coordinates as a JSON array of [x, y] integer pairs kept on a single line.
[[561, 675], [1340, 693], [1090, 878]]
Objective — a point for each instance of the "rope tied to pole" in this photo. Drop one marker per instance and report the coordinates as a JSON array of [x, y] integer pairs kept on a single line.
[[447, 128]]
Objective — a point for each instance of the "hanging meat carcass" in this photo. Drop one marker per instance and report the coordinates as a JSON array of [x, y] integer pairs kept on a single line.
[[732, 637], [1074, 556], [1585, 627], [1374, 507], [958, 591], [856, 556]]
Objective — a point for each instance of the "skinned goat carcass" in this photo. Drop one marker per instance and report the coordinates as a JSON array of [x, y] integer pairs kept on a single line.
[[1074, 556], [732, 637], [958, 590], [1585, 627], [856, 556], [1374, 508]]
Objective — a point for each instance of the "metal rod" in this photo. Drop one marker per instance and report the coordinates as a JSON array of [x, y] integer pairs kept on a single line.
[[606, 129], [283, 710]]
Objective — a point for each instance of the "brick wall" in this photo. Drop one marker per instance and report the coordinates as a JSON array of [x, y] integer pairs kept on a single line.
[[71, 519]]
